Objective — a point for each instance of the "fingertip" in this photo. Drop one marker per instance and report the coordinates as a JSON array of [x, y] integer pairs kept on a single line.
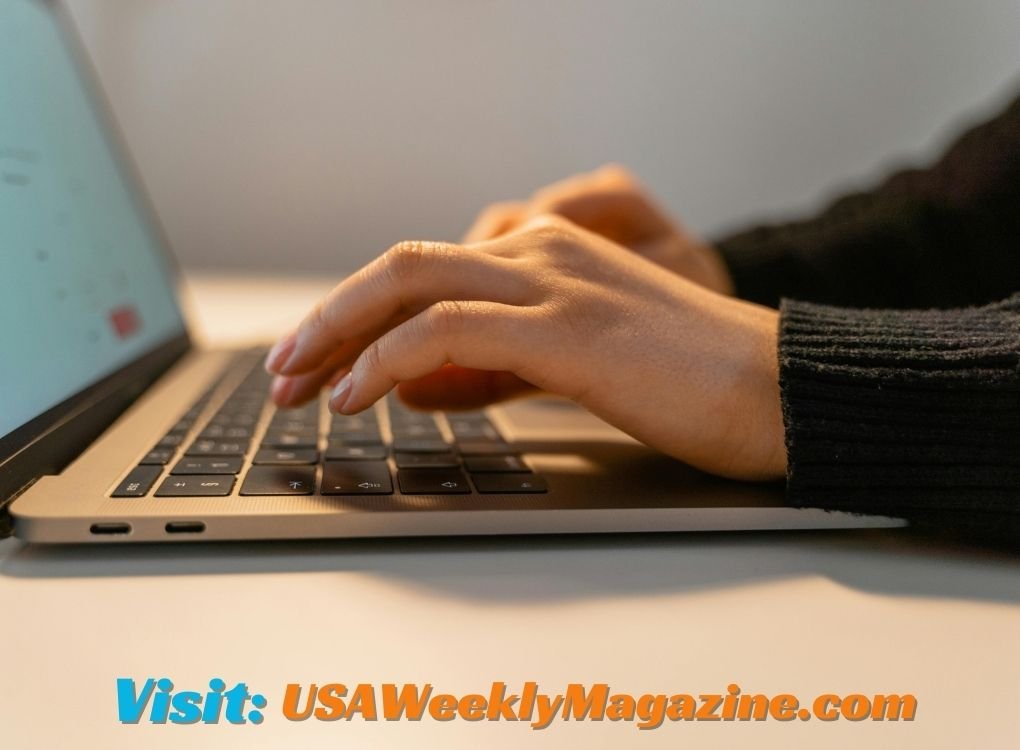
[[341, 395], [282, 390], [280, 354]]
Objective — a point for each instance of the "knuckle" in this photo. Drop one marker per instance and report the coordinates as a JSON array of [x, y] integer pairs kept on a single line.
[[447, 318], [617, 173], [407, 259], [548, 223], [554, 238], [371, 359], [404, 258], [317, 318], [501, 209]]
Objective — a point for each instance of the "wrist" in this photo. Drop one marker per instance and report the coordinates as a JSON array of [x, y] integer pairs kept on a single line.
[[756, 416], [768, 409]]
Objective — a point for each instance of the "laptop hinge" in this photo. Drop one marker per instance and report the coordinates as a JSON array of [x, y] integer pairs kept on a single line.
[[6, 527], [6, 522]]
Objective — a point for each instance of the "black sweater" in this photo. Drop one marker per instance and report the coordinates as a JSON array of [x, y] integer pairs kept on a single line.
[[899, 339]]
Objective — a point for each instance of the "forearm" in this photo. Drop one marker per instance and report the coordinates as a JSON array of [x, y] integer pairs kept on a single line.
[[945, 236], [912, 413]]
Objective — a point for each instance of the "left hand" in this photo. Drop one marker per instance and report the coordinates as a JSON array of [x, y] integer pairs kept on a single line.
[[681, 368]]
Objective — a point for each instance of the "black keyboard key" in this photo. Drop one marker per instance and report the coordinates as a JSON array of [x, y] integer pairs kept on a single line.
[[355, 452], [138, 482], [306, 439], [476, 433], [308, 417], [279, 480], [473, 429], [286, 457], [421, 431], [426, 460], [361, 421], [509, 483], [495, 464], [483, 447], [224, 432], [400, 416], [472, 415], [415, 445], [218, 448], [362, 437], [292, 425], [170, 440], [432, 482], [198, 485], [158, 456], [235, 420], [356, 478], [223, 465], [403, 424]]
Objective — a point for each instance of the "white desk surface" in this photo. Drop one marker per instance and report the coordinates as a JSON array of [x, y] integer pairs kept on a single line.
[[804, 613]]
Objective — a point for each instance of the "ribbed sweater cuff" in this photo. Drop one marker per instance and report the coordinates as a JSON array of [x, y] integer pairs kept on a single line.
[[912, 413]]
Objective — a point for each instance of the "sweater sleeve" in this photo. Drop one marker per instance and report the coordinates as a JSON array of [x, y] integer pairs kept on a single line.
[[912, 413], [945, 236]]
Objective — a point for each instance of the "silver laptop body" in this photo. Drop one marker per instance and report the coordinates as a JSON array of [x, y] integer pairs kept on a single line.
[[115, 429]]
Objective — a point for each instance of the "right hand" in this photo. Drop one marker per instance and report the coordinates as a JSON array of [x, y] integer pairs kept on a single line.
[[611, 202], [687, 371]]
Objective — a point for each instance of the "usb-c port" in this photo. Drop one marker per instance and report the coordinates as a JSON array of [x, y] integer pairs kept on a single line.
[[110, 528], [185, 527]]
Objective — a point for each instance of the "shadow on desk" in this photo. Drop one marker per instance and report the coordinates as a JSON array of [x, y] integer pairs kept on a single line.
[[546, 568]]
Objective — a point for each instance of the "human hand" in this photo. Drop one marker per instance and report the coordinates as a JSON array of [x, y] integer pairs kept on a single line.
[[611, 202], [683, 369]]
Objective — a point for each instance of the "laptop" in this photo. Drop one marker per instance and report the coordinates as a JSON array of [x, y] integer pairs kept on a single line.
[[114, 428]]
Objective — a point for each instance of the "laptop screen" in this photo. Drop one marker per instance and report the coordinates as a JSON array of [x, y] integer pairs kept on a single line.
[[84, 283]]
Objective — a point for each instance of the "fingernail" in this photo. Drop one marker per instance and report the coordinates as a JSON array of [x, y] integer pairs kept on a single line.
[[341, 394], [280, 353], [281, 390]]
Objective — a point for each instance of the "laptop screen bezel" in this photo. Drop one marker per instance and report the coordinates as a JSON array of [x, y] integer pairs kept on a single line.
[[48, 442]]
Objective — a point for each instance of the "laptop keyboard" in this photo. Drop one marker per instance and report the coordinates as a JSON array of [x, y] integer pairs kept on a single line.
[[302, 451]]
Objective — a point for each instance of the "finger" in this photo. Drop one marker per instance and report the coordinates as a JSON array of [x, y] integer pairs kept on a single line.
[[408, 278], [480, 335], [497, 219], [609, 201], [452, 387], [617, 213], [608, 176], [290, 391]]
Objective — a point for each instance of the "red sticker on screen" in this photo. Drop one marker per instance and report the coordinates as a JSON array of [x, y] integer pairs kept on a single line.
[[125, 320]]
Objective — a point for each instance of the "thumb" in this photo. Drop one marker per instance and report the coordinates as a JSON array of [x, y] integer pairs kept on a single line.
[[452, 387]]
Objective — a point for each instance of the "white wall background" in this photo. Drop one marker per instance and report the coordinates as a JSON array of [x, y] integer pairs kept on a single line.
[[312, 134]]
